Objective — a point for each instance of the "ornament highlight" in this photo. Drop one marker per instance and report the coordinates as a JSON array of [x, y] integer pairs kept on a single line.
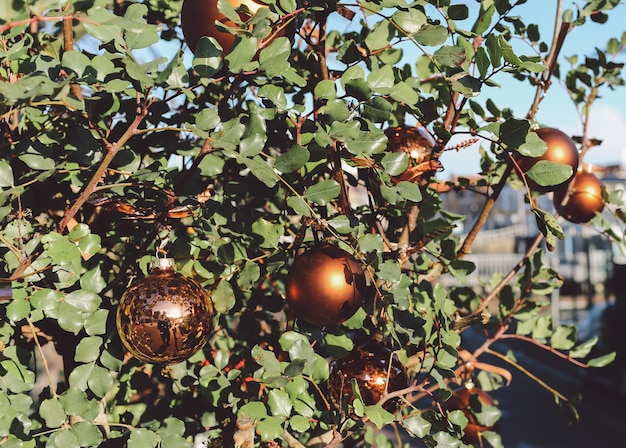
[[165, 317], [325, 285]]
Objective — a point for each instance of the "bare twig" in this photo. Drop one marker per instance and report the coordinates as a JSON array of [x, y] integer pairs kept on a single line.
[[100, 173], [44, 361]]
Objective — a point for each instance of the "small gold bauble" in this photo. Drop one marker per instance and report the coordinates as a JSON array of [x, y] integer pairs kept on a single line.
[[165, 317]]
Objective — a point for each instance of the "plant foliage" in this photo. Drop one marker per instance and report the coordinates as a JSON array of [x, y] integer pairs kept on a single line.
[[118, 143]]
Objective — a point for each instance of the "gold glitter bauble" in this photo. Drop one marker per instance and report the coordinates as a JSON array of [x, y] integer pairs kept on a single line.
[[165, 317]]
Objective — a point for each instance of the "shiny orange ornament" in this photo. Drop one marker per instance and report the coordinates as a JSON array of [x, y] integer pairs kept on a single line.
[[581, 200], [376, 370], [561, 149], [470, 400], [325, 285], [165, 317], [418, 145], [198, 18]]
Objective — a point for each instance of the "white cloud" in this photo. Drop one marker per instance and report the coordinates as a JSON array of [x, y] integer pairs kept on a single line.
[[607, 123]]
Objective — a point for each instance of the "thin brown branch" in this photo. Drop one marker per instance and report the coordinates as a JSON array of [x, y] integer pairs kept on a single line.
[[100, 173], [507, 278], [490, 202], [546, 348], [528, 374], [560, 32], [44, 361]]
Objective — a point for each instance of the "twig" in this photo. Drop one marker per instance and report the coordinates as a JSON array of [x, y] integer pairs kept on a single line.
[[528, 373], [560, 32], [44, 361], [507, 278], [547, 348], [112, 150]]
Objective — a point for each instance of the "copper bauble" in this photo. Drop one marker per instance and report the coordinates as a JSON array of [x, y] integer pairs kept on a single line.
[[470, 400], [165, 317], [561, 149], [369, 365], [418, 145], [325, 285], [198, 19], [415, 141], [581, 200]]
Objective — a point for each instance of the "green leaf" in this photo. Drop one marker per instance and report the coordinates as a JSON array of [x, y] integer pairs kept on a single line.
[[51, 410], [326, 90], [564, 337], [223, 297], [323, 192], [88, 349], [37, 162], [533, 146], [602, 361], [431, 35], [343, 224], [70, 318], [292, 160], [417, 425], [211, 165], [404, 93], [87, 434], [409, 191], [83, 300], [381, 80], [100, 381], [270, 428], [584, 349], [207, 119], [410, 21], [208, 58], [548, 173], [299, 205], [279, 403], [266, 359], [380, 36], [74, 401], [299, 423], [248, 276], [275, 94], [6, 174], [18, 309], [379, 416], [62, 439], [253, 409], [513, 132], [270, 232], [143, 438], [260, 170], [450, 56]]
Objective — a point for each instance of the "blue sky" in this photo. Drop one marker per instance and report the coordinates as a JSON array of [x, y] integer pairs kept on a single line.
[[608, 114]]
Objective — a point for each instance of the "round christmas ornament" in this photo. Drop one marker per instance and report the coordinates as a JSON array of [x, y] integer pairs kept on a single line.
[[325, 285], [376, 370], [165, 317], [471, 400]]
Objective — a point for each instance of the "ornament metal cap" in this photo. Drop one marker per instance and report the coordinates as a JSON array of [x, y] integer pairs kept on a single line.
[[162, 263]]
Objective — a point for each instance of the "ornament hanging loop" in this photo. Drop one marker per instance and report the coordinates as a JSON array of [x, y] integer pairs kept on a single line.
[[163, 240]]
